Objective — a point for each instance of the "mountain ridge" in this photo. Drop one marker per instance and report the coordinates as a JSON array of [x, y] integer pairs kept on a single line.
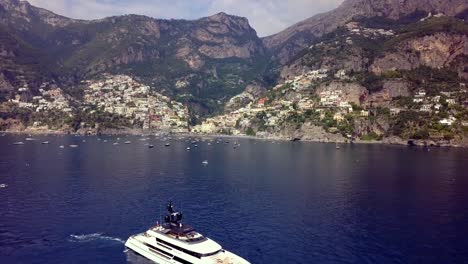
[[291, 40], [206, 59]]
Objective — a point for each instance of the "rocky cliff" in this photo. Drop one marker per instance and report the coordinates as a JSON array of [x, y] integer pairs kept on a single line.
[[286, 44]]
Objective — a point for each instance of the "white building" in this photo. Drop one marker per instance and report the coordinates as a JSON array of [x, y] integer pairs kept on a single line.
[[448, 121], [364, 113]]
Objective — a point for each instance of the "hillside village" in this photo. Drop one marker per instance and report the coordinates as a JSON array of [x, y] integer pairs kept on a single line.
[[50, 98], [363, 84], [121, 95], [331, 101], [338, 106], [117, 97]]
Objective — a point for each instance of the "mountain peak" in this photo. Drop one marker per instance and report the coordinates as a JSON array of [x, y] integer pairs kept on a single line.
[[237, 24], [223, 17]]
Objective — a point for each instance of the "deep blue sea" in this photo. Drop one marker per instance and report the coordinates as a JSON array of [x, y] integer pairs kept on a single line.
[[269, 202]]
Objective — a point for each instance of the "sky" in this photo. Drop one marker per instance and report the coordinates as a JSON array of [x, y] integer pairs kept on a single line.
[[265, 16]]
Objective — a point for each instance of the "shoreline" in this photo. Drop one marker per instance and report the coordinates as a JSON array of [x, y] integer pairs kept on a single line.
[[401, 142], [131, 132]]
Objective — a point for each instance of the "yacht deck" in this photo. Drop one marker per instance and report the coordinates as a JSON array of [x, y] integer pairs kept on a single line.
[[184, 234]]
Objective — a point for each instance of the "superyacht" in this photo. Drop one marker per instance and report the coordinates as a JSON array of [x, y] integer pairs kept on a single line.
[[175, 243]]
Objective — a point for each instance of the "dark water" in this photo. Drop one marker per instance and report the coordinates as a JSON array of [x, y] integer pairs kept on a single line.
[[270, 203]]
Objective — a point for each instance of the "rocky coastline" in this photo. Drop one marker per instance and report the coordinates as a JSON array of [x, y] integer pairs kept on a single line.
[[336, 140]]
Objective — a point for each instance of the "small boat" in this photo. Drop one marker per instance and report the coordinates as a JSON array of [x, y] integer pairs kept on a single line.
[[150, 146], [30, 139], [127, 142], [115, 144], [45, 143], [337, 147], [73, 146], [167, 144], [205, 162], [62, 146], [3, 185], [188, 148], [195, 145], [84, 140], [105, 140], [18, 143]]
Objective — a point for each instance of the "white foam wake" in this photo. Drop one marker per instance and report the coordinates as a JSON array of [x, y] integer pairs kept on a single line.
[[94, 237]]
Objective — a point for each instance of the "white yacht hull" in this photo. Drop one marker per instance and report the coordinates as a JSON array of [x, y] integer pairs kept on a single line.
[[141, 249], [137, 244]]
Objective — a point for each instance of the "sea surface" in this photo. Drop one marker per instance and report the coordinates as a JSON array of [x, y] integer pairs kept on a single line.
[[269, 202]]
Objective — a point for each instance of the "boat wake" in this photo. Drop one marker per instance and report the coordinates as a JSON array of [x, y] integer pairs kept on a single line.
[[93, 237]]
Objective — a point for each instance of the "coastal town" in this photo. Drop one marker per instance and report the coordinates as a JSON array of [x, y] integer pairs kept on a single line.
[[50, 98], [123, 96], [322, 98], [117, 95], [335, 107]]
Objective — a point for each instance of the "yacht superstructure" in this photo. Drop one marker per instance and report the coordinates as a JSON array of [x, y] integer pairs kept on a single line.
[[175, 243]]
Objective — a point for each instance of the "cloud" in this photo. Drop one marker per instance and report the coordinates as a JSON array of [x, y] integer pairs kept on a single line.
[[266, 16]]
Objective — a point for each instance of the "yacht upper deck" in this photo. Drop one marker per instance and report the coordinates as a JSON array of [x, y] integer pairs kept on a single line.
[[182, 233]]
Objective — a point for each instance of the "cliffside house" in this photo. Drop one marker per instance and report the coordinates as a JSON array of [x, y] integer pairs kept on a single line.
[[364, 113], [261, 102], [448, 121]]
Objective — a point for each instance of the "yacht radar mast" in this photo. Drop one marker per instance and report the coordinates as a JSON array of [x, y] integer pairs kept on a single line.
[[174, 217]]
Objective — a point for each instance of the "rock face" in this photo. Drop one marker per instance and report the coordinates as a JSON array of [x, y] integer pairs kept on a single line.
[[215, 57], [289, 42], [311, 132], [391, 89], [252, 91], [22, 10], [436, 51], [351, 92]]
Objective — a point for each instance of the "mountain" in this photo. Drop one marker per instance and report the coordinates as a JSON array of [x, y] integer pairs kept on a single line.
[[287, 43], [201, 62], [378, 78], [392, 70]]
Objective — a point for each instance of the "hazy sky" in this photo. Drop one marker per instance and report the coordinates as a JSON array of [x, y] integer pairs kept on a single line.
[[266, 16]]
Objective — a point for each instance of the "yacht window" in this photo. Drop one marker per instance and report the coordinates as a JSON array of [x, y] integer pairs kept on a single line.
[[191, 253], [157, 249], [211, 254], [182, 260]]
